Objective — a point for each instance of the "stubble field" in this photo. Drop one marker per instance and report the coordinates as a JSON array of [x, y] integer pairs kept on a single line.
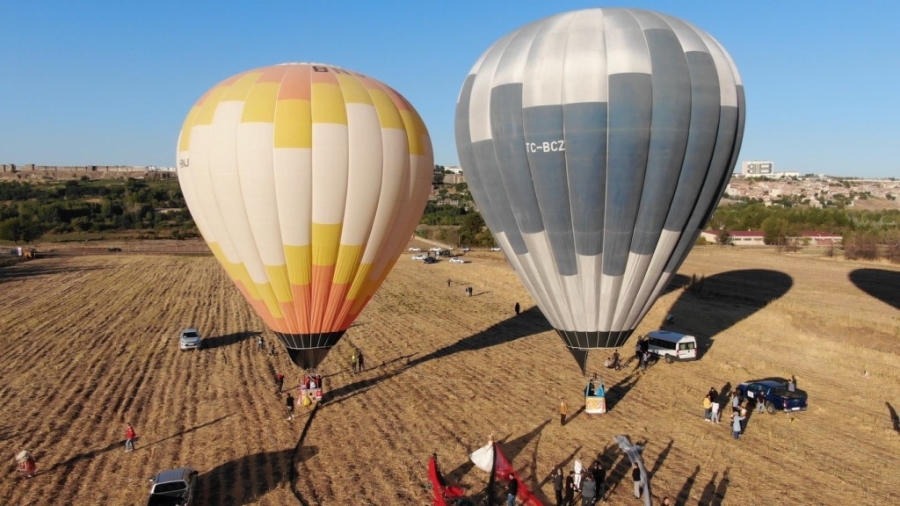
[[90, 344]]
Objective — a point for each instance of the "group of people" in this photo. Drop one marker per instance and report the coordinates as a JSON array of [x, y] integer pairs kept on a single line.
[[712, 410], [642, 352], [590, 483]]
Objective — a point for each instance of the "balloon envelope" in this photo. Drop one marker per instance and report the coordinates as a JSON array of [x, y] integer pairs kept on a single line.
[[306, 180], [596, 144]]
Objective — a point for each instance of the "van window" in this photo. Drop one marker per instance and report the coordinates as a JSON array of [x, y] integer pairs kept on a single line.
[[686, 346], [659, 343]]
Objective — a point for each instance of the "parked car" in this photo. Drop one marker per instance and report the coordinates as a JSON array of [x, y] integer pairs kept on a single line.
[[190, 339], [420, 256], [495, 249], [775, 394], [457, 260], [413, 248], [114, 249], [466, 248], [435, 249], [430, 260], [175, 487], [444, 253]]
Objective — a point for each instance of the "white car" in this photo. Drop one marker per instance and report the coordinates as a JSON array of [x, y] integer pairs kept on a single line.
[[420, 256], [413, 248], [190, 339], [457, 260], [495, 249], [435, 249]]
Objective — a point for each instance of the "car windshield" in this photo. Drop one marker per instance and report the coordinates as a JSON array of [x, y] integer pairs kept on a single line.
[[172, 486], [191, 334]]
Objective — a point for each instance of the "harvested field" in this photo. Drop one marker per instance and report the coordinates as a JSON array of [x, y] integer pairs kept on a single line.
[[90, 344]]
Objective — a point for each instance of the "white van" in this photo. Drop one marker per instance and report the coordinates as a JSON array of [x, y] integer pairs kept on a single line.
[[672, 345]]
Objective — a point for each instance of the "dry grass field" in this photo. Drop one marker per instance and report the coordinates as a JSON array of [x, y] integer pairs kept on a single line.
[[89, 343]]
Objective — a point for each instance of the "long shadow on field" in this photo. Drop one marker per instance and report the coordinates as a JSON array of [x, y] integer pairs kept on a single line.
[[895, 420], [714, 494], [120, 445], [745, 291], [685, 493], [879, 283], [657, 465], [245, 479], [34, 268], [228, 339], [529, 322], [617, 392], [186, 431]]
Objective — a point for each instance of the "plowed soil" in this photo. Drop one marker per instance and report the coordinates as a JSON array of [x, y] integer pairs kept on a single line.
[[90, 343]]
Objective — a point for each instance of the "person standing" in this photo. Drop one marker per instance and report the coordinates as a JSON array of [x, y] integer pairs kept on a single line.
[[707, 409], [736, 420], [570, 489], [760, 403], [279, 382], [129, 438], [517, 308], [558, 485], [579, 472], [735, 401], [638, 482], [714, 412], [448, 282], [359, 357], [563, 409], [289, 403], [512, 490], [588, 490], [599, 474], [260, 344], [354, 362]]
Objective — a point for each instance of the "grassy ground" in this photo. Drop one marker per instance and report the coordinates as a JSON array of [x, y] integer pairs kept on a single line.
[[90, 344]]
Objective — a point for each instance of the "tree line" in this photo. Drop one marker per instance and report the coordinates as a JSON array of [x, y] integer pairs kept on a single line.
[[30, 211]]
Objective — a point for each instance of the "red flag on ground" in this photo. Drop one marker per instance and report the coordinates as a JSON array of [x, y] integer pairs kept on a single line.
[[439, 486]]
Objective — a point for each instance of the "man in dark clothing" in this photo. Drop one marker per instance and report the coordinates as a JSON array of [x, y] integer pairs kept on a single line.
[[512, 490], [599, 474], [517, 308], [359, 358], [289, 402], [570, 489]]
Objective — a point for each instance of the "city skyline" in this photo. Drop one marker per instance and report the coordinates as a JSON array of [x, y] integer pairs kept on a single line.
[[110, 84]]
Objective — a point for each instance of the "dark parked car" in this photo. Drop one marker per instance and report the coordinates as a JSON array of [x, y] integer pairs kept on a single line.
[[430, 260], [774, 394], [175, 487]]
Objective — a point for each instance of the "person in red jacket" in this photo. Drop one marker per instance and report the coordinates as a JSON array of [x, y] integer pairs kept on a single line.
[[129, 438]]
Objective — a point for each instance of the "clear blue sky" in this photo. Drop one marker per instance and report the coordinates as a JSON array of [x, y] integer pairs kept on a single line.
[[109, 82]]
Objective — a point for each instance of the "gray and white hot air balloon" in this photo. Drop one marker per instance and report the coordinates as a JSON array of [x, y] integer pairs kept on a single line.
[[597, 143]]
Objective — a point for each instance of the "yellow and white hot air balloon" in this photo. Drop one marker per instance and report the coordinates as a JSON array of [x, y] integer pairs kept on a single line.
[[306, 180]]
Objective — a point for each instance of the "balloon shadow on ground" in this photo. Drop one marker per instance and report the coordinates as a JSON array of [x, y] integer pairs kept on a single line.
[[882, 284], [211, 343], [244, 480], [745, 291], [529, 322]]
